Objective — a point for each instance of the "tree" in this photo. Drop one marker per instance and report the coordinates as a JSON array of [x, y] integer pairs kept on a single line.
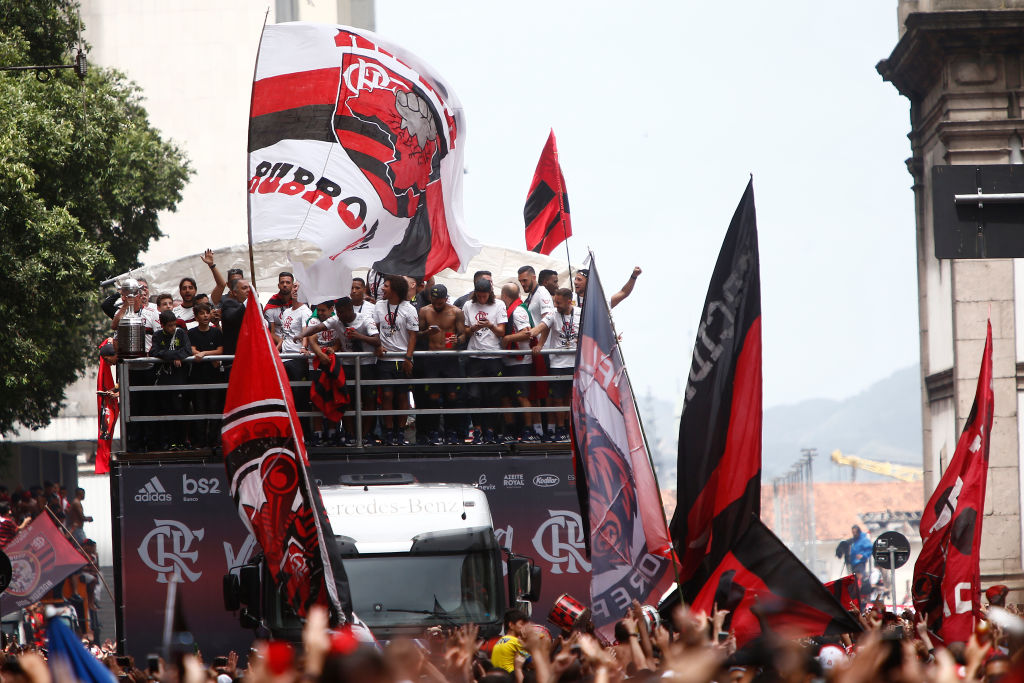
[[83, 177]]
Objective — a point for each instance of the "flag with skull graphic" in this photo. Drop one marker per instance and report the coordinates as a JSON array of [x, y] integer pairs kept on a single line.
[[355, 145], [947, 575]]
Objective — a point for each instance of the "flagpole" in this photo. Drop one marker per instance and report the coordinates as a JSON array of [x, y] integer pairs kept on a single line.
[[248, 146], [647, 447]]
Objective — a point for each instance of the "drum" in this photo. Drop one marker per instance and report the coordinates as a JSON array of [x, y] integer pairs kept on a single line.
[[568, 612]]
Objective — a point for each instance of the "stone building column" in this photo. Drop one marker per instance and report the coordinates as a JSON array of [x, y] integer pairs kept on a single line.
[[959, 62]]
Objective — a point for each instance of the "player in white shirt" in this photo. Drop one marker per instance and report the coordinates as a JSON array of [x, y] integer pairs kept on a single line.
[[291, 321], [517, 336], [398, 323], [562, 333], [484, 318]]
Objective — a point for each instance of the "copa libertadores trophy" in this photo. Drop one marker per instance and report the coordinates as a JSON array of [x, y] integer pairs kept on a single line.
[[131, 331]]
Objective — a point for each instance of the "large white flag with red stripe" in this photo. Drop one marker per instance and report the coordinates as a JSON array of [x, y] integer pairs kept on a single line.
[[355, 145]]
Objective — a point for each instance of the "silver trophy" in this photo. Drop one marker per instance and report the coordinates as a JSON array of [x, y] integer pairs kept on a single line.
[[131, 331]]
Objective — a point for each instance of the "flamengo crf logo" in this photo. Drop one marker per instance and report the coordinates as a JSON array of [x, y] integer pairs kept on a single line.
[[169, 550]]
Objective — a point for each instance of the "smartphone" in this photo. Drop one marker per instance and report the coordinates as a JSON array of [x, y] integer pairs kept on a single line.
[[152, 663], [124, 662]]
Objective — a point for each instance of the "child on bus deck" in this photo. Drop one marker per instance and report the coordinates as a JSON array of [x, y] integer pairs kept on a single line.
[[170, 343]]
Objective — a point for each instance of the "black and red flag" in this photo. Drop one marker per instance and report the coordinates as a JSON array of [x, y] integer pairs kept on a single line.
[[719, 479], [760, 571], [623, 519], [947, 574], [728, 556], [847, 591], [269, 474], [547, 205], [328, 392]]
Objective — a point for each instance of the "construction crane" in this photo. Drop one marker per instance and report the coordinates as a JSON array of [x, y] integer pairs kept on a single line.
[[889, 469]]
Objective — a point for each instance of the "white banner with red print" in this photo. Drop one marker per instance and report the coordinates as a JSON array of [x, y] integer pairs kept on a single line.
[[356, 146]]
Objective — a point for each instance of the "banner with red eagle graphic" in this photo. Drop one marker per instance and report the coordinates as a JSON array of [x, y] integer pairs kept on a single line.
[[947, 574], [269, 476], [41, 557], [547, 204], [630, 550], [355, 145]]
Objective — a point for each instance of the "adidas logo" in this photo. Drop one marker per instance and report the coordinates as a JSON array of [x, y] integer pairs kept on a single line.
[[153, 492]]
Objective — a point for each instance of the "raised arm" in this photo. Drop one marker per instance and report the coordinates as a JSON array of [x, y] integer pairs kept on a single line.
[[218, 278], [627, 288]]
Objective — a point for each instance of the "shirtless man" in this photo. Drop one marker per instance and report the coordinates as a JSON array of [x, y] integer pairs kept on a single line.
[[443, 324], [76, 516]]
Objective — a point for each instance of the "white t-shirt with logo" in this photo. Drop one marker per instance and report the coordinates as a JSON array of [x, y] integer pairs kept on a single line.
[[564, 331], [395, 323], [484, 339], [521, 320], [541, 305], [363, 324], [292, 320]]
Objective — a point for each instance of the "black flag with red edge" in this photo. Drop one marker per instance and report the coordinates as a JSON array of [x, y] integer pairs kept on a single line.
[[760, 575], [719, 480]]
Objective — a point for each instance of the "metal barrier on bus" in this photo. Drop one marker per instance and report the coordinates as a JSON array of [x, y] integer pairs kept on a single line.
[[353, 381]]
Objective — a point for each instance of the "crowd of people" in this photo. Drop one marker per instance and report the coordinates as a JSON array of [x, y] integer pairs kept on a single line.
[[392, 320], [691, 648]]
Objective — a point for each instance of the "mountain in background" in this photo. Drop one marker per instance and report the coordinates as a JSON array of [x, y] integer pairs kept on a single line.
[[883, 423]]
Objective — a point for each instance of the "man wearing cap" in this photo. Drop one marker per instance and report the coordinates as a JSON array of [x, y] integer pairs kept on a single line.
[[442, 324], [579, 284], [484, 318]]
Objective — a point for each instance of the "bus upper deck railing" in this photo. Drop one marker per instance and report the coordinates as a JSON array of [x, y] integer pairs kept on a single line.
[[353, 381]]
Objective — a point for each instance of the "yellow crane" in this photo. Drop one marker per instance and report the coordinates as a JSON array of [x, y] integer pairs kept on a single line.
[[889, 469]]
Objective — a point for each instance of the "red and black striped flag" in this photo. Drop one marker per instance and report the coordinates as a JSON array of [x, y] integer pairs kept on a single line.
[[847, 591], [269, 476], [328, 392], [355, 145], [947, 574], [547, 204]]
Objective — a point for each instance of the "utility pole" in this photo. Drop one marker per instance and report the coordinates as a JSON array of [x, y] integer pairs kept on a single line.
[[809, 455]]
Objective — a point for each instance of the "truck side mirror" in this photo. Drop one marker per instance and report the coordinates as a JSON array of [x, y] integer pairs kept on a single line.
[[230, 588], [518, 578], [535, 583]]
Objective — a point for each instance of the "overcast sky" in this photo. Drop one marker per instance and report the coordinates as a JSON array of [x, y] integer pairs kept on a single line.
[[662, 110]]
